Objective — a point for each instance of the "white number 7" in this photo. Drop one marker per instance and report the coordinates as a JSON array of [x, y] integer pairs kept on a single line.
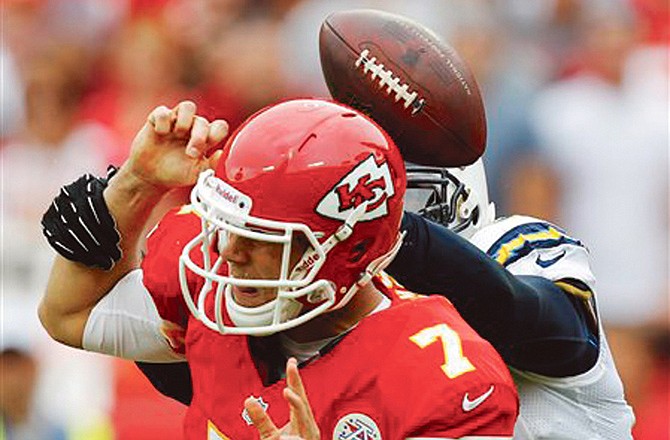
[[455, 363]]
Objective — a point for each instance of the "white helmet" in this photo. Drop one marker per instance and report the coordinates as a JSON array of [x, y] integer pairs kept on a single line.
[[454, 197]]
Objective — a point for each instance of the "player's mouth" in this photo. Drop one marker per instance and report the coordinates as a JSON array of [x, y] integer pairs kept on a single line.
[[245, 290], [248, 296]]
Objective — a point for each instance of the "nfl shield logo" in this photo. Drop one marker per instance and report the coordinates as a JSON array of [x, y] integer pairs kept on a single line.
[[245, 413]]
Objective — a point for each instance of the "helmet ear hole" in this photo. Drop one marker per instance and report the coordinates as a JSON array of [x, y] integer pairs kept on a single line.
[[475, 216], [359, 249], [301, 242]]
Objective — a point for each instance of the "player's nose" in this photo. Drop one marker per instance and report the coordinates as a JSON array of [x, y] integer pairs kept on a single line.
[[233, 248]]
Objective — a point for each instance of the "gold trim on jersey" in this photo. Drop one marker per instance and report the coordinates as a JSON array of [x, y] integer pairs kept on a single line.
[[576, 291], [214, 433], [187, 209]]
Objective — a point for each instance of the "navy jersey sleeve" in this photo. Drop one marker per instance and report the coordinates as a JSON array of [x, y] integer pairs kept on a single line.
[[533, 323]]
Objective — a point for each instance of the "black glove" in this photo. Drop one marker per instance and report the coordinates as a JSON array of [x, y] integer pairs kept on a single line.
[[78, 224]]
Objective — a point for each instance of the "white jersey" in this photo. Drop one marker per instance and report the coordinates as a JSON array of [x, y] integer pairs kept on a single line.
[[589, 406]]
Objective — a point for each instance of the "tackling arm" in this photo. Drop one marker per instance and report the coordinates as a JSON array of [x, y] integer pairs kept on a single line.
[[533, 324], [74, 289], [168, 152]]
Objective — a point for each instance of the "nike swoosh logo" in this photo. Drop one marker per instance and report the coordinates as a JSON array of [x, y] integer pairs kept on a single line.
[[469, 405], [546, 263]]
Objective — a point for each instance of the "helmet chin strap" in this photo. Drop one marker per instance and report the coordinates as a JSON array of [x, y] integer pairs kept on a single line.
[[342, 233], [375, 266]]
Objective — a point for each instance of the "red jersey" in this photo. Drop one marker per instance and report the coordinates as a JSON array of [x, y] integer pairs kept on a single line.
[[414, 370]]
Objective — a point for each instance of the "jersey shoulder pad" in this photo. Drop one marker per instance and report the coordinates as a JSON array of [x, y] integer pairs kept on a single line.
[[160, 266], [530, 246], [393, 289], [485, 237], [509, 239]]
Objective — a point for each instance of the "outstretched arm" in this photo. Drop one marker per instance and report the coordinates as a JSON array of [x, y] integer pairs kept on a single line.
[[531, 322], [168, 152]]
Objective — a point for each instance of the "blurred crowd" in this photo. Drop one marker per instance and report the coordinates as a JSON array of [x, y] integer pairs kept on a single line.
[[576, 94]]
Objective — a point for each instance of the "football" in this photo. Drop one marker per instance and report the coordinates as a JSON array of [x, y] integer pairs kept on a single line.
[[409, 81]]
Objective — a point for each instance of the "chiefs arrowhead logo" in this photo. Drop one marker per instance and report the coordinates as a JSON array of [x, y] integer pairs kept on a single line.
[[367, 183], [364, 191]]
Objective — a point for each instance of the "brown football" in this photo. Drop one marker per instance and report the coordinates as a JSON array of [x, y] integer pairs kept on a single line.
[[409, 81]]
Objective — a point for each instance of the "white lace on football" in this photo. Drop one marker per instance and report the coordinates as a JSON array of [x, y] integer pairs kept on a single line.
[[390, 81]]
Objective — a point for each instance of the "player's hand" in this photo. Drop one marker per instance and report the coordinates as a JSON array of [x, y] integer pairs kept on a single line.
[[169, 150], [301, 425]]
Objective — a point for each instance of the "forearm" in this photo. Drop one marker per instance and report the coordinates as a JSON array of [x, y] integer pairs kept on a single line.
[[529, 320], [433, 259], [74, 289], [130, 201]]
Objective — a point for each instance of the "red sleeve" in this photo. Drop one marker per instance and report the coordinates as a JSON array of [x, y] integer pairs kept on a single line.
[[160, 266]]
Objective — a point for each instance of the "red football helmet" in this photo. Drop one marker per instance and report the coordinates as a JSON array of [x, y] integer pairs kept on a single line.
[[309, 167]]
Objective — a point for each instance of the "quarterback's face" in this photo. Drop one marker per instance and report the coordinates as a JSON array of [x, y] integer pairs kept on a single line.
[[253, 259]]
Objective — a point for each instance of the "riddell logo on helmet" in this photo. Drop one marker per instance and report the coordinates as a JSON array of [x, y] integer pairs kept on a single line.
[[229, 196], [367, 183], [308, 261]]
